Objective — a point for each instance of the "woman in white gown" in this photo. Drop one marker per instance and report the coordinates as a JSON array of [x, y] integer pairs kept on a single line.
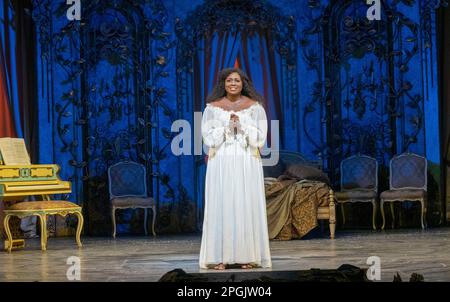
[[234, 127]]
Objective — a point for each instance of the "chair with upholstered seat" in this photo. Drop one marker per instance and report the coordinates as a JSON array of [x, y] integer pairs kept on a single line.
[[359, 183], [128, 189], [407, 182], [42, 209]]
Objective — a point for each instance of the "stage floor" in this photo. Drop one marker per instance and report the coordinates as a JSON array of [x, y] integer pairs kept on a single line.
[[125, 258]]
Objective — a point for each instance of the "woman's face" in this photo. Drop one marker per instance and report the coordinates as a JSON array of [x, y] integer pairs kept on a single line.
[[233, 84]]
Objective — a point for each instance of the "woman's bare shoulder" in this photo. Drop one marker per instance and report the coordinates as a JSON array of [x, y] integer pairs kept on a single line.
[[249, 101], [217, 103]]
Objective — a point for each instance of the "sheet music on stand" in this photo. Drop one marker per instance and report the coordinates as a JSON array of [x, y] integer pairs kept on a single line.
[[13, 151]]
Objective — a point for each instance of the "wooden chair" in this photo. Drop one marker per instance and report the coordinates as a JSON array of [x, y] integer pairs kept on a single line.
[[128, 189], [407, 182], [359, 183]]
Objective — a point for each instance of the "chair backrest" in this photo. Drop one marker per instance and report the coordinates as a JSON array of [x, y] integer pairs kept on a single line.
[[408, 171], [127, 179], [359, 172]]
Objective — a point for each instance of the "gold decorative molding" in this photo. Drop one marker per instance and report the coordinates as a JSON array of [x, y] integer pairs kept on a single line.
[[10, 173], [41, 172]]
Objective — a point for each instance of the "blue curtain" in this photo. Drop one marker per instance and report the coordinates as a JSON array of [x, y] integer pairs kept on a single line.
[[9, 61], [260, 62], [256, 57], [215, 53]]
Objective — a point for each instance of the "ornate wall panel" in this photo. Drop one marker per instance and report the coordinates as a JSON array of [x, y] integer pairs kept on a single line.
[[103, 100], [111, 84]]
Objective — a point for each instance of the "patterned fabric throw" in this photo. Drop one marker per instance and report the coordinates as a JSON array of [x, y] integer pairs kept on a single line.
[[292, 207]]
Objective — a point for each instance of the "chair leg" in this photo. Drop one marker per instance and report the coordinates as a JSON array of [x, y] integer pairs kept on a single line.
[[374, 213], [43, 222], [145, 221], [8, 233], [382, 213], [113, 217], [343, 214], [422, 214], [392, 213], [154, 220], [79, 228], [425, 212]]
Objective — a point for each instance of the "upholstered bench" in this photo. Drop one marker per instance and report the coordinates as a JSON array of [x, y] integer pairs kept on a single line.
[[41, 209]]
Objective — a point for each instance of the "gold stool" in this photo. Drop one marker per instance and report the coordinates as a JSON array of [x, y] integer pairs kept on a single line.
[[41, 209]]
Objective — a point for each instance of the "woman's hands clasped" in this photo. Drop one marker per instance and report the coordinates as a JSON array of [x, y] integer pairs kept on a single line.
[[234, 124]]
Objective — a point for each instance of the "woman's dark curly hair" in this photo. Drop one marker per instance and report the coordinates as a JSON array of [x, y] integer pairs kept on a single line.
[[248, 89]]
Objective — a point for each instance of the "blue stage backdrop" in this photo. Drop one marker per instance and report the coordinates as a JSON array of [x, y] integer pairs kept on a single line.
[[112, 83]]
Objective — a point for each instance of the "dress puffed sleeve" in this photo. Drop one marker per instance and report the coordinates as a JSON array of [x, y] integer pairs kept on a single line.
[[254, 127], [213, 128]]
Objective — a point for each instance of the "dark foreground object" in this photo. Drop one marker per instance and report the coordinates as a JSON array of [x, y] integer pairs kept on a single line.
[[345, 273]]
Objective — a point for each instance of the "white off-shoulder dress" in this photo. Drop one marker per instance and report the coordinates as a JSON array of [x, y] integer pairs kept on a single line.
[[235, 220]]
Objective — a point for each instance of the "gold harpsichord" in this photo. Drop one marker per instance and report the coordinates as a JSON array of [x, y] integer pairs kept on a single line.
[[20, 179]]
